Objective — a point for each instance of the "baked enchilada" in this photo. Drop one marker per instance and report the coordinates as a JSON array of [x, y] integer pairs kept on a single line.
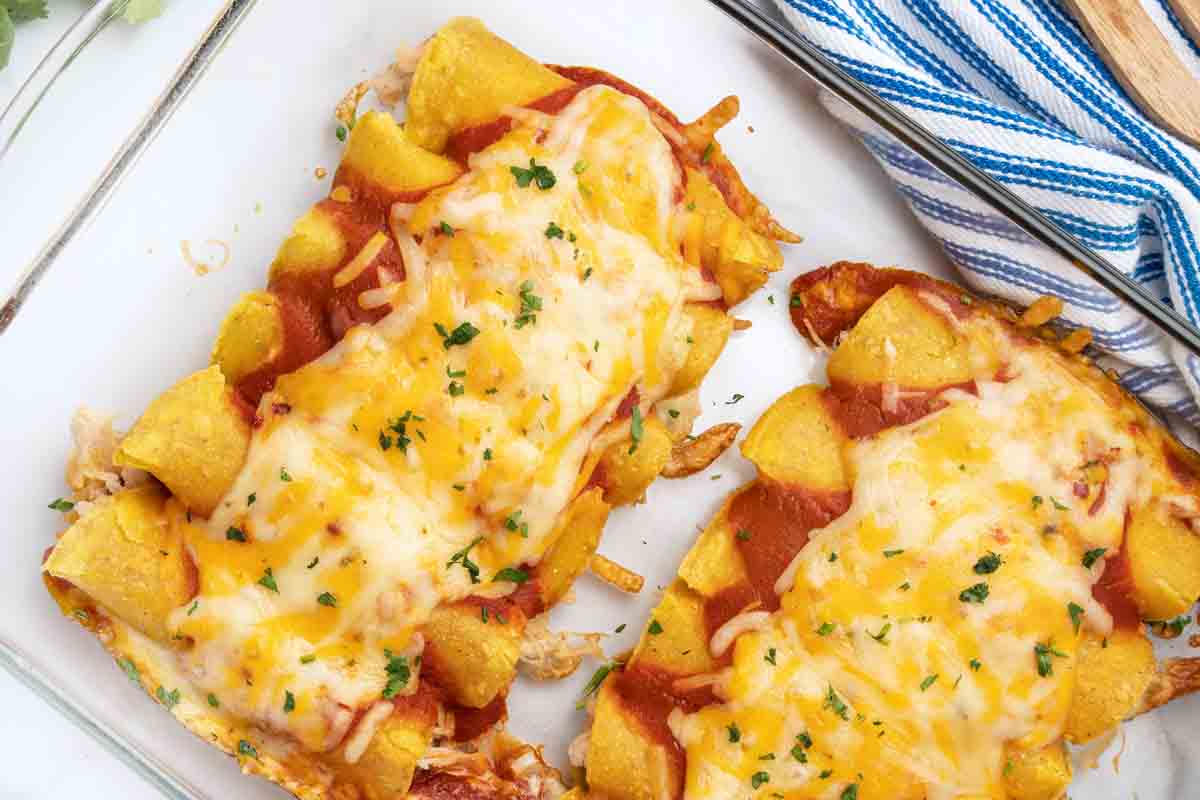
[[321, 553], [938, 577]]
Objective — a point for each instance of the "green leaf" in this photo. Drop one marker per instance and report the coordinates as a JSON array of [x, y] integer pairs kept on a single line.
[[398, 674], [25, 10], [512, 575], [6, 37], [142, 10], [61, 505]]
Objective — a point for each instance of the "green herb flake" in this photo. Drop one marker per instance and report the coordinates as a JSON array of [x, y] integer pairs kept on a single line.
[[169, 699], [530, 305], [706, 156], [463, 559], [340, 133], [892, 553], [192, 608], [284, 475], [759, 778], [455, 389], [445, 229], [987, 564], [850, 792], [735, 733], [636, 430], [743, 535], [1075, 612], [835, 704], [976, 593], [61, 505], [213, 701], [308, 659], [595, 682], [538, 174], [250, 498], [511, 575], [553, 231], [619, 628], [881, 637], [235, 534], [268, 581], [580, 167], [655, 628], [398, 674], [327, 599], [244, 748], [289, 702], [1042, 653], [975, 664], [770, 656], [316, 560], [737, 398], [1092, 556], [514, 523], [929, 681], [458, 337]]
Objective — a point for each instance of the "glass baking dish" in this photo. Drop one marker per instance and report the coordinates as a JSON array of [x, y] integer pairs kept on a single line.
[[214, 175]]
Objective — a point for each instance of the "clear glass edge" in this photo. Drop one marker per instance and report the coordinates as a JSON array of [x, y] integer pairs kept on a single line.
[[802, 55]]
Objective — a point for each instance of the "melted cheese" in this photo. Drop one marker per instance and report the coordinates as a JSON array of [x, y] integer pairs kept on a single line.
[[380, 464], [905, 686]]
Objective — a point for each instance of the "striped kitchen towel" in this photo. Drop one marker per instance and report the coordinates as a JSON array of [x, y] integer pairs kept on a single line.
[[1015, 86]]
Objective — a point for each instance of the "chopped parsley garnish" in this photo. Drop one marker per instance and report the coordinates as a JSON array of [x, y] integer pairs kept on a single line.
[[795, 301], [580, 167], [799, 754], [1172, 627], [587, 273], [759, 778], [735, 733], [307, 659], [743, 535], [61, 505], [835, 704], [246, 749], [770, 656], [804, 739], [284, 475], [553, 231], [537, 173], [455, 373], [487, 454], [767, 757], [327, 599], [706, 156], [530, 305], [515, 524], [444, 228], [594, 682], [340, 133], [929, 681], [850, 792], [398, 673], [385, 442], [455, 389], [169, 699], [636, 431], [1042, 654], [213, 701], [619, 628], [1059, 506], [771, 299], [1075, 612], [974, 594], [737, 398], [1092, 556], [511, 575], [904, 587], [975, 664], [463, 559], [235, 534], [250, 498], [881, 637], [833, 557], [316, 560], [892, 553], [673, 413], [289, 702], [461, 335], [988, 564], [825, 773], [268, 581], [1036, 500], [655, 628], [825, 629]]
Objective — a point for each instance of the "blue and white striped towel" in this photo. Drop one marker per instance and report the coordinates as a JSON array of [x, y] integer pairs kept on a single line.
[[1015, 86]]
